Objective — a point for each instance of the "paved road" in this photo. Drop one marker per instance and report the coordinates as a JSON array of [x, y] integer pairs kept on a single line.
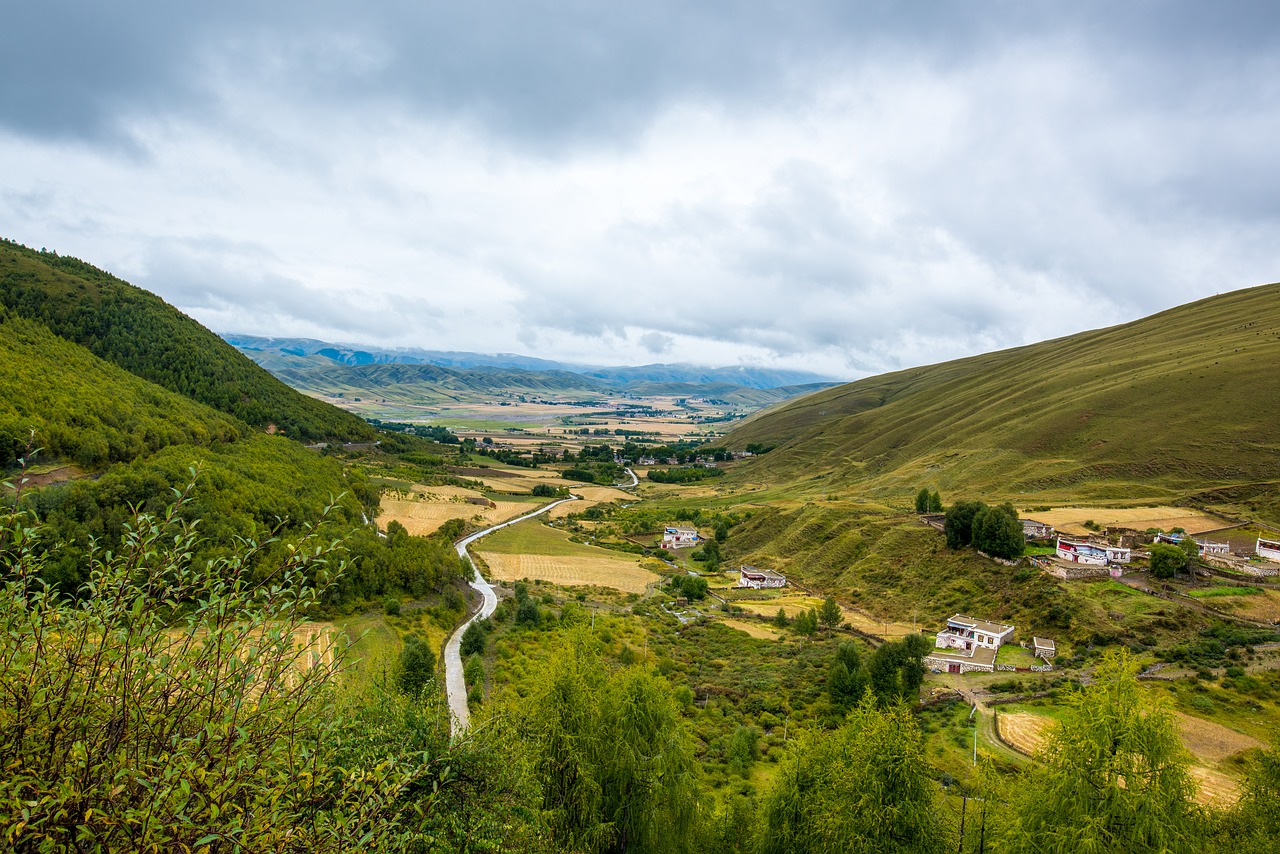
[[455, 686], [635, 481]]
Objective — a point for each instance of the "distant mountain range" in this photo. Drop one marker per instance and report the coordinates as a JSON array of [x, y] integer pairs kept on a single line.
[[355, 355]]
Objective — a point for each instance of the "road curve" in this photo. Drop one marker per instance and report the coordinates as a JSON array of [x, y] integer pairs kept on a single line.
[[455, 686], [635, 481]]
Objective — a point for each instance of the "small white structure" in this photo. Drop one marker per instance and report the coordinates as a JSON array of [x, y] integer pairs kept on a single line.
[[750, 576], [1043, 648], [1206, 547], [1078, 551], [1035, 530], [676, 536], [1269, 549], [968, 635]]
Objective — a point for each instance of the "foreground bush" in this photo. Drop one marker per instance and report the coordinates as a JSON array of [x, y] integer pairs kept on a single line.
[[170, 706]]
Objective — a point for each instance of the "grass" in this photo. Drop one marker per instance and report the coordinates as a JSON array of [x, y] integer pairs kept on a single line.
[[1165, 407], [1223, 590]]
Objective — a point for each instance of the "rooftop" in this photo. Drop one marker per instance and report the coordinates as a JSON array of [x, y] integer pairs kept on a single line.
[[980, 625]]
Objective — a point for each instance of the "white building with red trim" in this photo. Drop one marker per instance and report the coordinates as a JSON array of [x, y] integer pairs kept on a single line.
[[1081, 551], [1268, 549], [678, 537], [750, 576], [967, 635], [1206, 547]]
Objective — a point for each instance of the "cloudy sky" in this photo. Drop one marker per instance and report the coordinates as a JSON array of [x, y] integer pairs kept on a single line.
[[843, 187]]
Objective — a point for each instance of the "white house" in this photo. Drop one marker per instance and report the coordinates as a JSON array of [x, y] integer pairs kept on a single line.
[[1206, 547], [1269, 549], [1043, 648], [1034, 530], [1078, 551], [968, 635], [750, 576], [677, 536]]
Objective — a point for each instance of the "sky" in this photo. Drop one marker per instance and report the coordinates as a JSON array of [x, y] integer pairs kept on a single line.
[[846, 188]]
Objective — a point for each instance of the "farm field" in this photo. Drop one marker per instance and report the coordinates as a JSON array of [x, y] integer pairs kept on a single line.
[[1209, 743], [793, 603], [426, 508], [1263, 605], [1070, 520], [535, 551], [591, 496]]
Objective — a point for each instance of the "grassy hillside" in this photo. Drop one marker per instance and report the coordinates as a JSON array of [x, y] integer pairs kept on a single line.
[[1164, 407], [142, 334], [86, 410]]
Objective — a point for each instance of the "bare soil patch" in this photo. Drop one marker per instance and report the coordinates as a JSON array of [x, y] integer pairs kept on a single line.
[[1210, 741]]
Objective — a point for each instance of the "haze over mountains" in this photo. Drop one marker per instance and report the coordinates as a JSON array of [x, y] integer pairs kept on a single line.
[[415, 375]]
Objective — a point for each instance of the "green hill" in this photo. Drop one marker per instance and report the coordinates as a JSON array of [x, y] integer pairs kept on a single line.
[[1168, 407], [86, 410], [145, 336]]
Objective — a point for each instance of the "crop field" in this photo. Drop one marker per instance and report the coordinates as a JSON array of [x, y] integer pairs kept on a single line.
[[591, 496], [1070, 520], [572, 570], [427, 508], [1209, 743], [534, 550]]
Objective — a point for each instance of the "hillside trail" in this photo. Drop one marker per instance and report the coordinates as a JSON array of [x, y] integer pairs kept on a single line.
[[455, 685], [986, 725]]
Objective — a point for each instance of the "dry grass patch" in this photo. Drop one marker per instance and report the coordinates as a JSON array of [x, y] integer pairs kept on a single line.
[[1264, 607], [1210, 741], [1070, 520], [756, 630], [571, 570]]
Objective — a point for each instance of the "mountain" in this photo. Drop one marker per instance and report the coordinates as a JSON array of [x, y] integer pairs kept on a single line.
[[141, 333], [1170, 406], [615, 377]]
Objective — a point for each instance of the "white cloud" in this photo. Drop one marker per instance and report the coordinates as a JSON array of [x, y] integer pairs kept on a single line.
[[870, 194]]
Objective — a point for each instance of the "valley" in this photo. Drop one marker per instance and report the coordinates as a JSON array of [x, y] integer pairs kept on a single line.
[[761, 571]]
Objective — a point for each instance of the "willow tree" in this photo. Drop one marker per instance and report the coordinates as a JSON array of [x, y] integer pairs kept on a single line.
[[865, 787], [613, 756], [1114, 776]]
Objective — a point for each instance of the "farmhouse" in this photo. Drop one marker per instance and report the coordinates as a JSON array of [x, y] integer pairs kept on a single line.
[[1269, 549], [1043, 648], [1077, 551], [750, 576], [1034, 530], [967, 634], [676, 536], [1206, 547]]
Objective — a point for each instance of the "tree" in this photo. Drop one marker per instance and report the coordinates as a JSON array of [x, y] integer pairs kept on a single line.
[[922, 500], [416, 668], [528, 613], [722, 532], [1253, 826], [615, 762], [474, 639], [806, 623], [847, 677], [780, 619], [865, 787], [1166, 560], [959, 523], [830, 615], [1114, 775], [997, 531], [1191, 549], [935, 502]]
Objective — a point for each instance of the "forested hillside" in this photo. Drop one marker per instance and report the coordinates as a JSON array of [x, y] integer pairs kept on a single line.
[[1161, 408], [85, 410], [145, 336]]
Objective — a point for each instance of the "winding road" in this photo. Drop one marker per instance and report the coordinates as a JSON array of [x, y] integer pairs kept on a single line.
[[455, 685]]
